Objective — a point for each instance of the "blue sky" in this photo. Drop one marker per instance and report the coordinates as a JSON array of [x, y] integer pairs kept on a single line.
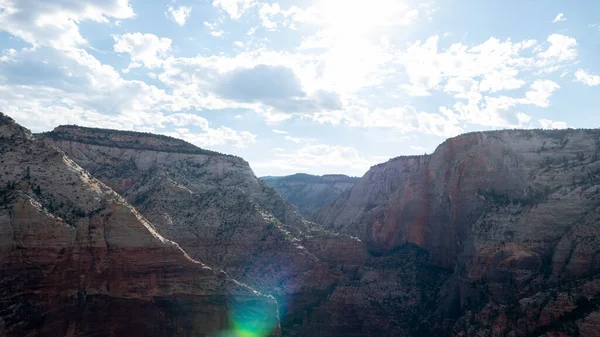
[[319, 86]]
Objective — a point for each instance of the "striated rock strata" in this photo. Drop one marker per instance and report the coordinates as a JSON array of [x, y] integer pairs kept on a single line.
[[77, 260], [310, 193]]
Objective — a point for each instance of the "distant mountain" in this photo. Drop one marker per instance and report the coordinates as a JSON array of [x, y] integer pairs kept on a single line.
[[310, 193]]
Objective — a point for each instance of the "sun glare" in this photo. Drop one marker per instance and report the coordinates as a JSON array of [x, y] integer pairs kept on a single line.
[[353, 32], [362, 18]]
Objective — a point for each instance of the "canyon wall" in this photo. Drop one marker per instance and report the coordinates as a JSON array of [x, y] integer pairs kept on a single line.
[[77, 260]]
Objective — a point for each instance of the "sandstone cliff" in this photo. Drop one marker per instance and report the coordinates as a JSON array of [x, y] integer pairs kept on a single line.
[[495, 234], [220, 213], [77, 260], [515, 214], [310, 193]]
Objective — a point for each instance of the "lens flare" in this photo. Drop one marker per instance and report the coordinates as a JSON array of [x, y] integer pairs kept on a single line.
[[252, 318]]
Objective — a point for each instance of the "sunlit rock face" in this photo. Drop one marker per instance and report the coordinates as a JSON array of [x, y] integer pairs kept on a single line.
[[77, 260], [515, 214], [310, 193]]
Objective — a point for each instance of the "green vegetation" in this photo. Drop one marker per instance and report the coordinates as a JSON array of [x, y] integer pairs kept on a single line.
[[6, 193]]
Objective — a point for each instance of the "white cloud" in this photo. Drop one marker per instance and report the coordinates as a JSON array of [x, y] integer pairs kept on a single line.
[[43, 108], [549, 124], [497, 64], [55, 23], [73, 87], [562, 48], [266, 12], [279, 132], [8, 55], [299, 140], [418, 148], [235, 8], [356, 17], [273, 15], [588, 79], [404, 119], [181, 14], [493, 112], [324, 157], [213, 27], [214, 137], [540, 92], [185, 119], [146, 49], [494, 64], [480, 73], [234, 80], [559, 18]]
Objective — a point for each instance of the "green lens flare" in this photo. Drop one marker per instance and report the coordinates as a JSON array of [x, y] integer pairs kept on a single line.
[[252, 319]]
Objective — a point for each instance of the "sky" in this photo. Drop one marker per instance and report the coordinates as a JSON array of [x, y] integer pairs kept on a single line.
[[315, 86]]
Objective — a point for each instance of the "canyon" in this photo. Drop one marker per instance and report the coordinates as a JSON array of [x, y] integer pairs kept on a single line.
[[213, 205], [494, 234], [310, 193]]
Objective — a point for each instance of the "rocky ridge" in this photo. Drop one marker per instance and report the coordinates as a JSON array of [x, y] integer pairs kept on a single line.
[[310, 193], [77, 260]]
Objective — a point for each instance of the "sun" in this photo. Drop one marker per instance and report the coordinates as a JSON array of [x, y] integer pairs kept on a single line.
[[352, 32], [362, 18]]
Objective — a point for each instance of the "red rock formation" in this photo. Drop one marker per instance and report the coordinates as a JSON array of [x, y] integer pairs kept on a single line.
[[512, 212]]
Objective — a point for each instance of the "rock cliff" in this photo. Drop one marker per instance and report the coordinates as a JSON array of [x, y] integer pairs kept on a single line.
[[212, 205], [310, 193], [77, 260], [515, 214], [494, 234]]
